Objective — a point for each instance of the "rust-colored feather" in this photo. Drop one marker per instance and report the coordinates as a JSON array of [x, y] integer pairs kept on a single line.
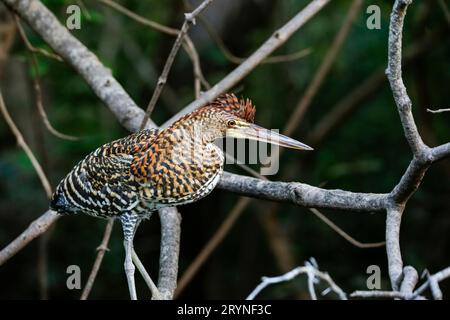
[[243, 109]]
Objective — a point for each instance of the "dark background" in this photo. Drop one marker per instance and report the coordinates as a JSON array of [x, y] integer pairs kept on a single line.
[[365, 152]]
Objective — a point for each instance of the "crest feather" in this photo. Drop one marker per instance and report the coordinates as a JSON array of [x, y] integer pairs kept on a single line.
[[241, 108]]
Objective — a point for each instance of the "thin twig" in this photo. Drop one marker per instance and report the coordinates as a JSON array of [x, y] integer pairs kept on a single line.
[[36, 84], [211, 245], [238, 60], [21, 142], [242, 203], [189, 19], [278, 38], [144, 21], [363, 92], [85, 10], [187, 43], [444, 8], [98, 260], [34, 230], [344, 234], [148, 280], [379, 294], [437, 277], [438, 110], [324, 68], [32, 48], [310, 270]]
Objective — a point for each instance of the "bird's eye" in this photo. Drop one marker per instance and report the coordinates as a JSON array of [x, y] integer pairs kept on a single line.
[[231, 123]]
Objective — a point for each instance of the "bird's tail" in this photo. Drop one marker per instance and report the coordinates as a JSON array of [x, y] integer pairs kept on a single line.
[[59, 202]]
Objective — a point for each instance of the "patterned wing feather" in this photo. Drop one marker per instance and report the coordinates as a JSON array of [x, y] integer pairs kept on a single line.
[[101, 184]]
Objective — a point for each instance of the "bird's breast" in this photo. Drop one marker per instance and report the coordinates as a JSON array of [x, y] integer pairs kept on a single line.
[[180, 179]]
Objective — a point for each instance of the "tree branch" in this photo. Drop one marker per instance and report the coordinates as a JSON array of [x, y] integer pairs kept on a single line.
[[34, 230], [394, 74], [438, 110], [311, 271], [275, 41], [302, 194], [170, 248], [324, 68], [423, 155], [21, 142], [126, 111], [99, 78], [98, 260], [189, 19]]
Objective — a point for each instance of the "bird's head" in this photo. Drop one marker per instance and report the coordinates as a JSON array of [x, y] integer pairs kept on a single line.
[[228, 116]]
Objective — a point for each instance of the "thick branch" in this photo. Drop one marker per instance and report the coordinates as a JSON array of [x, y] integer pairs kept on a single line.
[[170, 248], [302, 194], [394, 256], [404, 279], [394, 74]]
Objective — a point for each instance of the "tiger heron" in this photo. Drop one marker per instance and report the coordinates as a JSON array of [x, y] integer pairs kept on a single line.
[[131, 177]]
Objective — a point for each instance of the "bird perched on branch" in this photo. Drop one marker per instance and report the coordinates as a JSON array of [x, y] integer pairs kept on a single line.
[[131, 177]]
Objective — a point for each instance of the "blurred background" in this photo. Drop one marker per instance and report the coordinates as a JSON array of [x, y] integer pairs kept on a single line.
[[351, 121]]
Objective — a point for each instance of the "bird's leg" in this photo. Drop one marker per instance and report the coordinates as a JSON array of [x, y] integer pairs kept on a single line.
[[148, 280], [129, 222]]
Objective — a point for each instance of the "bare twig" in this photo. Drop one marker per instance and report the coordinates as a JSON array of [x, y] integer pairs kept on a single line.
[[278, 240], [34, 230], [438, 110], [97, 76], [21, 142], [212, 244], [84, 9], [229, 222], [243, 203], [37, 87], [32, 48], [311, 271], [344, 234], [444, 8], [189, 19], [378, 294], [240, 206], [278, 38], [324, 68], [406, 293], [435, 278], [187, 43], [148, 280], [238, 60], [98, 260], [363, 92], [144, 21]]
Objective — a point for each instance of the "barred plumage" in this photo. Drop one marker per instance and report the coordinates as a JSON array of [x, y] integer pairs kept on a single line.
[[131, 177]]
